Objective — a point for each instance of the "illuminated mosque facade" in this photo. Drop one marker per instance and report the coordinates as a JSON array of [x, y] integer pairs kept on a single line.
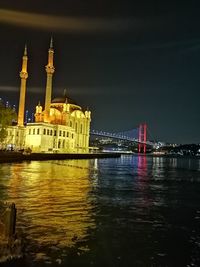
[[61, 126]]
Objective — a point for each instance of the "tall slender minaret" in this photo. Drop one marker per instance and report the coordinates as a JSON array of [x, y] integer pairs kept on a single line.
[[23, 76], [49, 70]]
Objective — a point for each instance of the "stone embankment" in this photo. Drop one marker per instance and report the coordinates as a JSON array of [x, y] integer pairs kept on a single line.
[[6, 157], [10, 245]]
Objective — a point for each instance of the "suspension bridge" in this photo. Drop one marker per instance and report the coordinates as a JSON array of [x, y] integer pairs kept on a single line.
[[137, 135]]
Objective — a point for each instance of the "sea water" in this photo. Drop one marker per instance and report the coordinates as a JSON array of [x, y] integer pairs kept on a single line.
[[128, 211]]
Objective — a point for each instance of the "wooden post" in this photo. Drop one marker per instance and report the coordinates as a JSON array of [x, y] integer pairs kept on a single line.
[[8, 220]]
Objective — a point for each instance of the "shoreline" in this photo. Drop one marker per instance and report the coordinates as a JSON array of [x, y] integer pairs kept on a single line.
[[9, 157]]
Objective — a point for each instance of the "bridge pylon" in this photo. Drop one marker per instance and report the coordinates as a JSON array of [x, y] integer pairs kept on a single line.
[[142, 138]]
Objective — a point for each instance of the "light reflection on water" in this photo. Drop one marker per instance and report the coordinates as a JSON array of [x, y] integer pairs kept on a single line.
[[52, 200], [134, 209]]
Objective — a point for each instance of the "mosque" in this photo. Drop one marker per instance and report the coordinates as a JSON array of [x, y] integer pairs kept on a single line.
[[60, 126]]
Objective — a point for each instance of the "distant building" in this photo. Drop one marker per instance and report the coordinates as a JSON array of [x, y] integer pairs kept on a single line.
[[14, 107], [26, 116], [61, 126], [7, 104]]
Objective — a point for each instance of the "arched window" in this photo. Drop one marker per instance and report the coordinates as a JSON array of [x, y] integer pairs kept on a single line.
[[44, 131], [59, 143]]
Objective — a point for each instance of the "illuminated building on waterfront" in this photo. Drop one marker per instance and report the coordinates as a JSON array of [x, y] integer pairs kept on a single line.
[[61, 126]]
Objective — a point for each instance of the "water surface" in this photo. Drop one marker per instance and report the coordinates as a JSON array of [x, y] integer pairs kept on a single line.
[[128, 211]]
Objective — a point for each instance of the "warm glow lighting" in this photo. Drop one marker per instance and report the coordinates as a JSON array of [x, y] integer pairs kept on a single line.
[[58, 205]]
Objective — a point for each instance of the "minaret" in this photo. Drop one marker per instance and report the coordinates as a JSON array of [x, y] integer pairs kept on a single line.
[[23, 76], [49, 70]]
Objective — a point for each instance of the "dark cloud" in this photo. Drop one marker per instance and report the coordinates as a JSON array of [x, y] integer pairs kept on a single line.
[[9, 89], [66, 24]]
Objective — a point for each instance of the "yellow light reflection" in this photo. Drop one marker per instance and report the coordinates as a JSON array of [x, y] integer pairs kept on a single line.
[[52, 200]]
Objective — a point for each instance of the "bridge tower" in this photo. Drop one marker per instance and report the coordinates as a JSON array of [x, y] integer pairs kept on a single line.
[[142, 138]]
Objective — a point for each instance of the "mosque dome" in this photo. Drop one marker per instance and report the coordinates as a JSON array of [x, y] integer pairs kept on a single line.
[[63, 99]]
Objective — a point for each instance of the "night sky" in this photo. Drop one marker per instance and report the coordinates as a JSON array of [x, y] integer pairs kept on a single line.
[[128, 61]]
